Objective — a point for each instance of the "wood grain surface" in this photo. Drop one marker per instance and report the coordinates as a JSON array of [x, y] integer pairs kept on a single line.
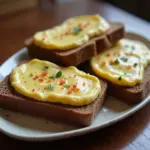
[[132, 133]]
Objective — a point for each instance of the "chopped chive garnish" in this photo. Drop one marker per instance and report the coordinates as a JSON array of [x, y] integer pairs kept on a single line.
[[66, 86], [31, 75], [76, 30], [116, 61], [58, 74], [51, 87], [124, 59], [125, 73], [52, 77], [119, 78], [135, 64], [45, 68]]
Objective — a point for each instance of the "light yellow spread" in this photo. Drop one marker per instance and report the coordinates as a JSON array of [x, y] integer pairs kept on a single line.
[[46, 81], [71, 33], [124, 63]]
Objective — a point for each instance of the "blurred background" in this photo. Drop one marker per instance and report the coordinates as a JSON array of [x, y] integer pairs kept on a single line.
[[138, 8]]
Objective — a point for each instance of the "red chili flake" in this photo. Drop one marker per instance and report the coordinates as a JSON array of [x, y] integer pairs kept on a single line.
[[41, 80], [111, 62], [69, 92], [61, 82], [33, 90], [49, 81], [75, 86], [44, 73], [129, 67], [36, 77], [108, 54]]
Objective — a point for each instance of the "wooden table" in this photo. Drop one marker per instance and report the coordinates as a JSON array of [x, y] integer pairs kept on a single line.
[[132, 133]]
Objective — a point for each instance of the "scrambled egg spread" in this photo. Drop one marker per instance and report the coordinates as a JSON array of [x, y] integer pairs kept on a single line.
[[124, 63], [71, 33], [46, 81]]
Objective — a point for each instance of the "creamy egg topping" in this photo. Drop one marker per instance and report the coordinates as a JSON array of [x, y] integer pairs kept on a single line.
[[71, 33], [124, 63], [46, 81]]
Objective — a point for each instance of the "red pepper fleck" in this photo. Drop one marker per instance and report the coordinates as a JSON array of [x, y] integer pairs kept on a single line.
[[36, 77], [41, 80], [61, 82], [44, 73], [129, 67], [49, 81], [108, 54], [111, 62], [75, 86], [69, 92]]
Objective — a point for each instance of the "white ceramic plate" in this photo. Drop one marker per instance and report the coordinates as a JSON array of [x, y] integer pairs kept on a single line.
[[29, 128]]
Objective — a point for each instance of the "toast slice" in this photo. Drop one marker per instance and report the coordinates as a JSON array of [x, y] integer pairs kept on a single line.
[[130, 95], [80, 116], [78, 55]]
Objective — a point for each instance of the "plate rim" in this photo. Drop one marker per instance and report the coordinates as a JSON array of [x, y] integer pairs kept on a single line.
[[79, 131]]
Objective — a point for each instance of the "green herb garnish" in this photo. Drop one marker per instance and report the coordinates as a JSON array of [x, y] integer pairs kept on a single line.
[[58, 74], [116, 61], [31, 75], [66, 86], [120, 78], [124, 59], [76, 30], [135, 64], [45, 68], [51, 87], [52, 77]]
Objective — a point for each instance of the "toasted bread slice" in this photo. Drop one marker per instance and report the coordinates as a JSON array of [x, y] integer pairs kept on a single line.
[[80, 116], [130, 95], [78, 55]]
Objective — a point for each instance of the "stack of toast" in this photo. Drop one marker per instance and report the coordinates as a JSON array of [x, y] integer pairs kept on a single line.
[[80, 57]]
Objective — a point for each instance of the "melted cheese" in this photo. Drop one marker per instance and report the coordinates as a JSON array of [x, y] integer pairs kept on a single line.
[[71, 33], [124, 63], [45, 81]]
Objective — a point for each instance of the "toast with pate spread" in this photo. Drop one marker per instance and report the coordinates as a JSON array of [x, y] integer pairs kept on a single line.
[[74, 41], [43, 89]]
